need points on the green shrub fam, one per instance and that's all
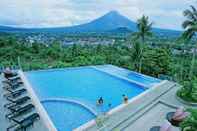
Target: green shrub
(189, 91)
(190, 124)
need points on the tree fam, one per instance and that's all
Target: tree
(190, 26)
(189, 91)
(156, 61)
(144, 31)
(144, 28)
(136, 55)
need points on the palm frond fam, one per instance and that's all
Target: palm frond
(187, 23)
(144, 28)
(190, 15)
(188, 34)
(194, 10)
(190, 24)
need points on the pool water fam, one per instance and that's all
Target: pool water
(84, 85)
(134, 76)
(67, 111)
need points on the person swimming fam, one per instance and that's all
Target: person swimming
(125, 99)
(100, 101)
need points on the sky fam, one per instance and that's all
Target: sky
(55, 13)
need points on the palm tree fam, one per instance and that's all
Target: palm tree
(190, 26)
(144, 28)
(136, 55)
(144, 31)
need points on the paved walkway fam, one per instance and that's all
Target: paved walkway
(4, 123)
(154, 114)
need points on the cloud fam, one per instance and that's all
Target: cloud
(46, 13)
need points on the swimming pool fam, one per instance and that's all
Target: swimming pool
(69, 95)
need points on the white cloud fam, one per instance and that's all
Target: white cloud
(45, 13)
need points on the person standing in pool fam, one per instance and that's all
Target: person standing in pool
(125, 99)
(100, 101)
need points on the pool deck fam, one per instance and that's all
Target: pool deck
(4, 123)
(154, 114)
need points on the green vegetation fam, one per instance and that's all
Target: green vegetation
(38, 56)
(144, 31)
(191, 28)
(156, 61)
(189, 90)
(190, 124)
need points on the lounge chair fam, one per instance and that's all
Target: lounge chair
(12, 91)
(20, 111)
(13, 106)
(7, 87)
(15, 94)
(12, 86)
(15, 83)
(12, 79)
(165, 127)
(31, 117)
(175, 118)
(8, 73)
(19, 101)
(11, 83)
(24, 108)
(23, 126)
(25, 123)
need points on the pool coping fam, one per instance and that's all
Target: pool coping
(42, 112)
(59, 69)
(120, 107)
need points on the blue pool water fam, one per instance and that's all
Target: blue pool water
(67, 111)
(134, 76)
(84, 85)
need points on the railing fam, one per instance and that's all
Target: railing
(12, 67)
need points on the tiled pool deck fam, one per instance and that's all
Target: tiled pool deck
(143, 113)
(4, 123)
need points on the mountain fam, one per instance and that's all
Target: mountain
(121, 30)
(109, 21)
(112, 21)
